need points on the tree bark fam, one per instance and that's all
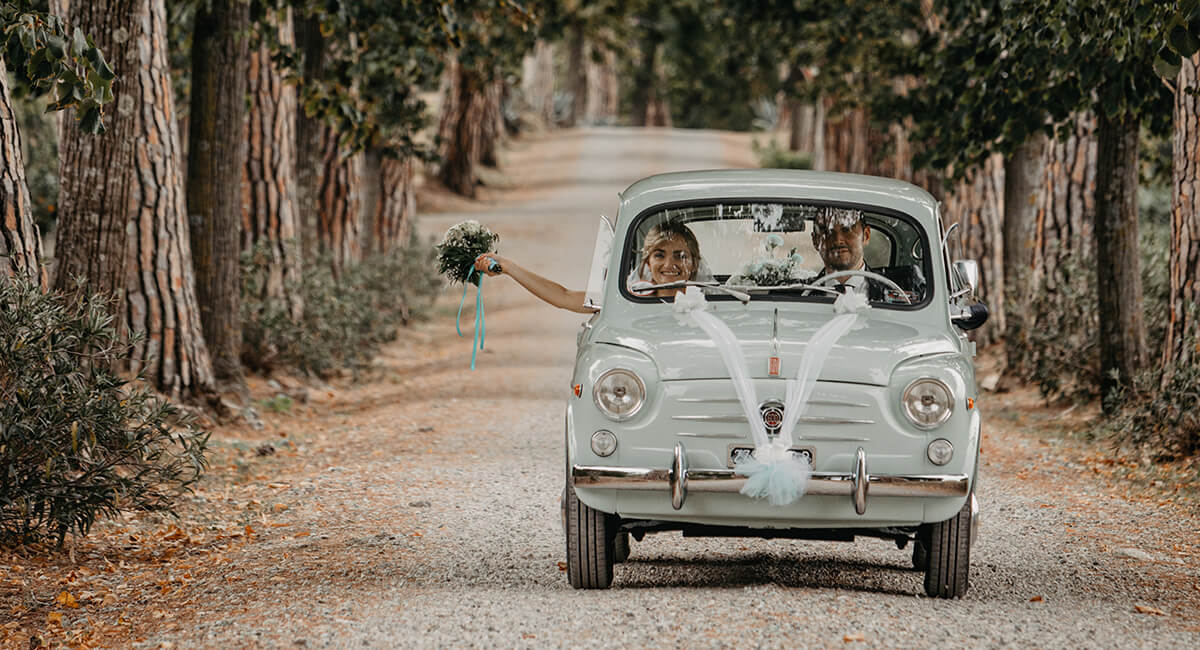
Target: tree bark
(397, 205)
(1183, 331)
(1118, 265)
(603, 95)
(310, 146)
(339, 226)
(20, 242)
(1022, 176)
(216, 162)
(122, 221)
(976, 204)
(460, 127)
(269, 188)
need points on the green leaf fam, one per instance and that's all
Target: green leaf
(78, 43)
(1183, 41)
(57, 46)
(90, 122)
(1166, 69)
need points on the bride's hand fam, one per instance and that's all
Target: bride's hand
(485, 261)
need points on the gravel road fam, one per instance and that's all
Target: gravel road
(448, 492)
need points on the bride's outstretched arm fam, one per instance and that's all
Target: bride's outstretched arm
(544, 288)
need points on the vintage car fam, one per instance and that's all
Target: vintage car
(891, 431)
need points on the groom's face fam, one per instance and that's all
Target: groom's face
(840, 244)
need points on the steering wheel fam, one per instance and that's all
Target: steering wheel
(864, 274)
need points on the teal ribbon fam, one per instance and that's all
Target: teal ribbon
(480, 325)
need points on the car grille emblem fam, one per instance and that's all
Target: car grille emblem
(772, 416)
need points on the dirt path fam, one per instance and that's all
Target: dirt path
(419, 507)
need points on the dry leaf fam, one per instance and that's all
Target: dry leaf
(1035, 599)
(856, 636)
(249, 530)
(54, 618)
(280, 507)
(67, 600)
(562, 566)
(1146, 609)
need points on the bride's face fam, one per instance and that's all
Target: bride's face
(671, 261)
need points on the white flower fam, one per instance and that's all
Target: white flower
(690, 299)
(850, 302)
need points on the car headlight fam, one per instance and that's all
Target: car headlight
(619, 394)
(927, 403)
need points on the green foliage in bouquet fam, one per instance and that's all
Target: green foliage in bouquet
(459, 248)
(77, 440)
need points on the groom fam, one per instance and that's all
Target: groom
(840, 235)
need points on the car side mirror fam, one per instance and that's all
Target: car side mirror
(971, 317)
(968, 272)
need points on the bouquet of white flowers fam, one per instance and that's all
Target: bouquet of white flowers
(771, 271)
(460, 246)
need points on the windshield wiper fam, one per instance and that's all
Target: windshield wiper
(679, 284)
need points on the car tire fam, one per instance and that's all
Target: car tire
(949, 555)
(621, 547)
(920, 555)
(590, 536)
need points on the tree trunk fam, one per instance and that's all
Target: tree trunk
(1182, 336)
(537, 81)
(976, 204)
(122, 221)
(310, 146)
(20, 242)
(269, 188)
(644, 81)
(460, 127)
(577, 82)
(339, 226)
(1118, 266)
(397, 206)
(216, 162)
(848, 142)
(804, 122)
(492, 125)
(603, 95)
(1060, 272)
(1022, 176)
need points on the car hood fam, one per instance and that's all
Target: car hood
(866, 354)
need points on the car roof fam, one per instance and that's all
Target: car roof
(785, 184)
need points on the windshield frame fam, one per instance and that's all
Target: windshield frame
(926, 263)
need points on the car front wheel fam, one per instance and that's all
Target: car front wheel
(590, 537)
(947, 546)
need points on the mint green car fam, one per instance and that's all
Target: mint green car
(891, 431)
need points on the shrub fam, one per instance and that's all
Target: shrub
(775, 157)
(1156, 415)
(346, 318)
(77, 440)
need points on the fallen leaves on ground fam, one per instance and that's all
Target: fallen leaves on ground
(1146, 609)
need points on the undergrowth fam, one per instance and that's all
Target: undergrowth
(344, 319)
(79, 441)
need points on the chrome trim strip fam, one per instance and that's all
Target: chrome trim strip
(730, 419)
(725, 480)
(688, 434)
(829, 439)
(974, 518)
(818, 402)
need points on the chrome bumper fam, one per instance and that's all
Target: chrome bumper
(858, 484)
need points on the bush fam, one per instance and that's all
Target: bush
(345, 319)
(1157, 416)
(78, 441)
(1052, 342)
(773, 156)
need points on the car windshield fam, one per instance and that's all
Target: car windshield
(786, 251)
